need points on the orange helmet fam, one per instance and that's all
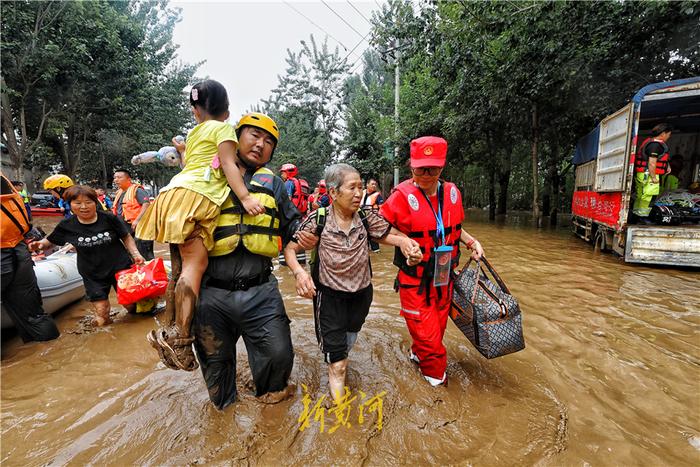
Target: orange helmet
(291, 169)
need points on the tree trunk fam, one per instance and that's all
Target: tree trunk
(554, 212)
(554, 178)
(535, 177)
(492, 193)
(546, 194)
(503, 182)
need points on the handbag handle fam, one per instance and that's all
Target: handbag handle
(490, 268)
(493, 272)
(495, 275)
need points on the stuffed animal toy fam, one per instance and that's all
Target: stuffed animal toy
(166, 155)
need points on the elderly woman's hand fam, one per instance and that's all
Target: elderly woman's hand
(306, 240)
(305, 285)
(409, 247)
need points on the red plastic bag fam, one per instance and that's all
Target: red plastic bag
(141, 282)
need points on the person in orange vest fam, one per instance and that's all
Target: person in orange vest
(430, 211)
(20, 292)
(371, 200)
(372, 197)
(130, 202)
(650, 163)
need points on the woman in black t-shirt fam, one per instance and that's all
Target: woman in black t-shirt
(103, 243)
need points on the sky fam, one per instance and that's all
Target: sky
(245, 44)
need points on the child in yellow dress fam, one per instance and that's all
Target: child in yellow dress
(185, 214)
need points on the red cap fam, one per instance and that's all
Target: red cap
(428, 151)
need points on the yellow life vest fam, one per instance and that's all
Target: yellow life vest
(260, 234)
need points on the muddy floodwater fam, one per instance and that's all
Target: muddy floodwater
(610, 376)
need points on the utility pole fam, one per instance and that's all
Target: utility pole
(396, 113)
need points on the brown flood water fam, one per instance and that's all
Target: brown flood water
(610, 376)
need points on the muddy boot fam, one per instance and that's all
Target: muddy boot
(177, 349)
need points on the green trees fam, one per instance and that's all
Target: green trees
(85, 85)
(307, 105)
(515, 84)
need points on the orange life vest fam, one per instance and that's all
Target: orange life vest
(14, 222)
(641, 161)
(370, 200)
(424, 225)
(130, 205)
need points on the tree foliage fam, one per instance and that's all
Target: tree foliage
(517, 83)
(77, 73)
(307, 105)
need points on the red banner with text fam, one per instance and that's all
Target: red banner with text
(601, 207)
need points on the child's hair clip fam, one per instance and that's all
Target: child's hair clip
(195, 94)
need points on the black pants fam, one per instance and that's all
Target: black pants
(336, 315)
(145, 247)
(21, 296)
(258, 315)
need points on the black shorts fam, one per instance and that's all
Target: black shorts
(98, 289)
(338, 317)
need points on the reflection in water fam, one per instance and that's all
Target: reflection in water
(609, 376)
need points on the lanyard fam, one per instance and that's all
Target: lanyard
(440, 226)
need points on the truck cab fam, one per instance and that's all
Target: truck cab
(604, 189)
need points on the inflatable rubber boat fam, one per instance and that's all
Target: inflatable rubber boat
(59, 282)
(40, 211)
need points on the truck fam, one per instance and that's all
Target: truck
(603, 195)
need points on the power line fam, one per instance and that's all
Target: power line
(342, 19)
(356, 45)
(359, 12)
(358, 64)
(310, 21)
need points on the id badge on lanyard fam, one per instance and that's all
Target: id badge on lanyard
(443, 262)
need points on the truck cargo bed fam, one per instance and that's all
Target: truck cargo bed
(655, 244)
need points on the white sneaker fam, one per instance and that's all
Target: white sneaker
(413, 357)
(436, 382)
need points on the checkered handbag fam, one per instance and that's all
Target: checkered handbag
(486, 312)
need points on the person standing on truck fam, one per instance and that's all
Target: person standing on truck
(669, 181)
(651, 162)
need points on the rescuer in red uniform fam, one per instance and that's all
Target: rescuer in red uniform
(428, 210)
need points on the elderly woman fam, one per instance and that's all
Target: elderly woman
(340, 282)
(103, 243)
(429, 210)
